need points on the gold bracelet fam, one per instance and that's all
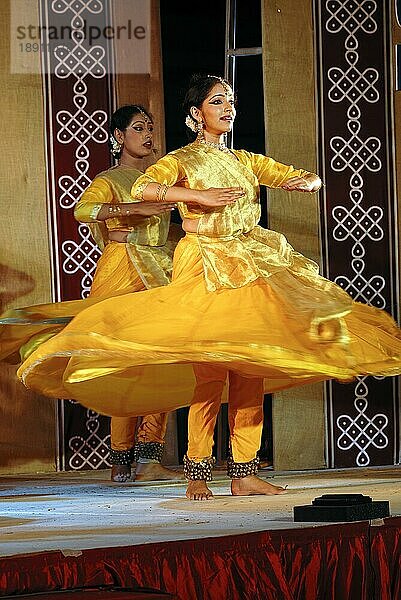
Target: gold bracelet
(159, 187)
(163, 193)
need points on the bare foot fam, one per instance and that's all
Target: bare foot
(120, 473)
(156, 472)
(251, 485)
(198, 490)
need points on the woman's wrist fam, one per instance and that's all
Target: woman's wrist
(172, 194)
(112, 211)
(195, 196)
(119, 210)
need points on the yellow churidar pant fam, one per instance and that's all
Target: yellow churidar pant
(245, 413)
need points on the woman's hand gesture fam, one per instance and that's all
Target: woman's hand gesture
(309, 183)
(215, 197)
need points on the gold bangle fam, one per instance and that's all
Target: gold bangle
(163, 193)
(159, 187)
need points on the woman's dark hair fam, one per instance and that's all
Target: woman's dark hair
(122, 117)
(199, 89)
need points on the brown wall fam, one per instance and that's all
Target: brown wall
(290, 117)
(27, 422)
(146, 89)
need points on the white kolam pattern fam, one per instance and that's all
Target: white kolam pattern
(77, 61)
(91, 451)
(355, 154)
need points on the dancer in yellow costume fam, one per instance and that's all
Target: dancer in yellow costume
(242, 301)
(136, 256)
(137, 245)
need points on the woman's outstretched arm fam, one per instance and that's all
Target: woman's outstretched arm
(274, 174)
(164, 182)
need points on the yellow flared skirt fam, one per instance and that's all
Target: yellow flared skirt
(23, 330)
(133, 354)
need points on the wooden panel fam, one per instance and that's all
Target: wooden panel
(24, 255)
(290, 118)
(144, 88)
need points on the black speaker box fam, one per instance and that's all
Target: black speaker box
(342, 507)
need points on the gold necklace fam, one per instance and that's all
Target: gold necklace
(218, 146)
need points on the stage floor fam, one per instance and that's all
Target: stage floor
(77, 511)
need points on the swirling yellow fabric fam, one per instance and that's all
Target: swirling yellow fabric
(240, 298)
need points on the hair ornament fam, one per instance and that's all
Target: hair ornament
(223, 82)
(146, 118)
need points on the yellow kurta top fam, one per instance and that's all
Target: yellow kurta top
(231, 231)
(235, 249)
(150, 247)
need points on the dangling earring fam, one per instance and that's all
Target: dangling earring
(115, 146)
(199, 129)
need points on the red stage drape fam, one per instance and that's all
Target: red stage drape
(386, 559)
(353, 561)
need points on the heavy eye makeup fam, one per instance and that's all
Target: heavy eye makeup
(217, 101)
(140, 126)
